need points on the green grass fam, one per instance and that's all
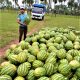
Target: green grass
(62, 21)
(9, 26)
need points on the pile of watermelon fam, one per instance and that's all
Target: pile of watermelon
(49, 54)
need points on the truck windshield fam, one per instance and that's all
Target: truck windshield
(37, 10)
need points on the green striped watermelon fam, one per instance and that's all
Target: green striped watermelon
(9, 70)
(58, 76)
(44, 78)
(5, 63)
(31, 58)
(61, 53)
(40, 71)
(64, 68)
(42, 55)
(74, 64)
(22, 57)
(78, 72)
(19, 78)
(37, 63)
(51, 59)
(23, 69)
(13, 58)
(30, 75)
(5, 77)
(49, 68)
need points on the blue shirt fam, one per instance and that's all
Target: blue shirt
(22, 17)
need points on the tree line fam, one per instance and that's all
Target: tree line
(71, 8)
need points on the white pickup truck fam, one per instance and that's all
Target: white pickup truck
(38, 11)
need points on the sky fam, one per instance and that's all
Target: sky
(19, 2)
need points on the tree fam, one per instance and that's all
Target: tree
(75, 7)
(60, 1)
(29, 2)
(2, 4)
(71, 4)
(55, 1)
(16, 3)
(64, 1)
(8, 3)
(1, 1)
(45, 1)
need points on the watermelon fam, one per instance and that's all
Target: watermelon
(47, 36)
(35, 44)
(28, 39)
(17, 50)
(28, 65)
(77, 58)
(37, 63)
(9, 69)
(64, 68)
(22, 69)
(31, 58)
(5, 77)
(40, 71)
(13, 58)
(51, 60)
(19, 78)
(76, 45)
(61, 53)
(71, 36)
(58, 76)
(43, 46)
(44, 78)
(30, 75)
(49, 44)
(58, 40)
(27, 20)
(69, 45)
(22, 44)
(22, 57)
(42, 40)
(7, 53)
(74, 64)
(49, 68)
(74, 78)
(63, 61)
(69, 57)
(34, 51)
(78, 72)
(34, 39)
(5, 63)
(42, 55)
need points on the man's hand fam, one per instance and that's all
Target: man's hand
(18, 21)
(25, 23)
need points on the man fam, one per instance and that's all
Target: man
(23, 25)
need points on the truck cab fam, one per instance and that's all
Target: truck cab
(38, 11)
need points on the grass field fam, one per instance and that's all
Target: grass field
(9, 27)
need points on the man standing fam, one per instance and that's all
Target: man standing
(23, 25)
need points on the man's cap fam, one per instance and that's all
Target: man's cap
(22, 7)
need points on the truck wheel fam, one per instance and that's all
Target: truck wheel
(43, 18)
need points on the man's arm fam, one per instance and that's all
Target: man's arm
(19, 22)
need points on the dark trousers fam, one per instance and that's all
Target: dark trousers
(22, 31)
